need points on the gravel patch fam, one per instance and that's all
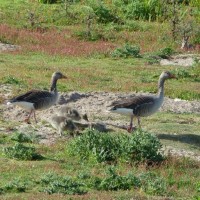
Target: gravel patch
(185, 60)
(8, 47)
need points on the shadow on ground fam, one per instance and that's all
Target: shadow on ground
(191, 139)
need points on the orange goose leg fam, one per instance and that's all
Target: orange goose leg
(130, 127)
(27, 120)
(34, 116)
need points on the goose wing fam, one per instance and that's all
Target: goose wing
(139, 105)
(40, 99)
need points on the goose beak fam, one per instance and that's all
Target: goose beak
(64, 77)
(173, 76)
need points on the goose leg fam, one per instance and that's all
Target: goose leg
(60, 131)
(139, 124)
(34, 116)
(27, 120)
(130, 127)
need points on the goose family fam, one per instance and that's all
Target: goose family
(142, 105)
(66, 119)
(38, 99)
(63, 123)
(72, 113)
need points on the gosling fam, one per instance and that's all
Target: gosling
(71, 113)
(61, 123)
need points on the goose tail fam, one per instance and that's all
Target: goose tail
(9, 103)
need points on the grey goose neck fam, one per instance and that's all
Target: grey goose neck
(161, 82)
(53, 87)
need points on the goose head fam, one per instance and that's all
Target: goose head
(55, 77)
(58, 75)
(167, 75)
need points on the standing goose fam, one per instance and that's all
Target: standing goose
(142, 105)
(38, 99)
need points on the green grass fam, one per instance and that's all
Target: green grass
(59, 174)
(172, 178)
(123, 75)
(179, 131)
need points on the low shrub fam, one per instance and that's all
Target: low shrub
(144, 147)
(16, 185)
(3, 138)
(198, 186)
(53, 183)
(22, 137)
(113, 181)
(21, 152)
(155, 57)
(165, 52)
(153, 184)
(105, 147)
(126, 51)
(103, 13)
(149, 182)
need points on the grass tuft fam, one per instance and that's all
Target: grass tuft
(53, 183)
(21, 152)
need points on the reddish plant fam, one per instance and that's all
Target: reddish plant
(52, 42)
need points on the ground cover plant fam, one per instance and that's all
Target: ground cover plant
(61, 173)
(21, 152)
(101, 46)
(139, 147)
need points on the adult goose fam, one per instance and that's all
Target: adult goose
(142, 105)
(38, 99)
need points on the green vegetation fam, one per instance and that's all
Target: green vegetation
(124, 75)
(139, 147)
(53, 183)
(126, 51)
(112, 46)
(21, 137)
(21, 152)
(62, 173)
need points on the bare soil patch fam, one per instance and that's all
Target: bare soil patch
(185, 60)
(95, 104)
(8, 47)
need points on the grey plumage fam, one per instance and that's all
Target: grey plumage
(101, 127)
(61, 123)
(143, 105)
(72, 113)
(38, 99)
